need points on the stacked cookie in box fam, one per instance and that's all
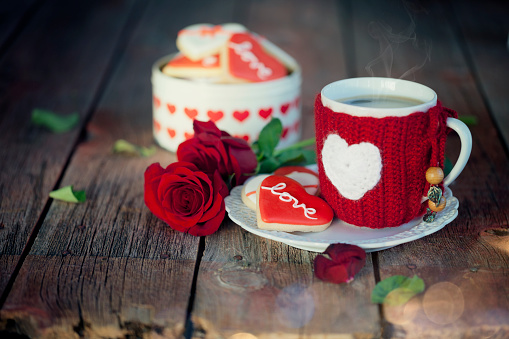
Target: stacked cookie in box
(224, 54)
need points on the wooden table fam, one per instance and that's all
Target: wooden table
(108, 268)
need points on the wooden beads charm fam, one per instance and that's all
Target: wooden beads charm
(437, 207)
(434, 175)
(434, 194)
(436, 202)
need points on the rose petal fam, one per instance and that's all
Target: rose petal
(339, 252)
(219, 185)
(344, 263)
(206, 127)
(242, 158)
(211, 225)
(152, 178)
(330, 271)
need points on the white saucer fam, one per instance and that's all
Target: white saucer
(370, 240)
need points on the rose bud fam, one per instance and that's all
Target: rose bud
(212, 149)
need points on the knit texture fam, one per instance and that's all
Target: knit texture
(408, 146)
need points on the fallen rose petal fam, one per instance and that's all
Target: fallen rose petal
(344, 263)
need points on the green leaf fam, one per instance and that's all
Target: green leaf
(269, 137)
(447, 166)
(68, 194)
(469, 120)
(397, 290)
(293, 155)
(125, 147)
(269, 165)
(54, 122)
(309, 156)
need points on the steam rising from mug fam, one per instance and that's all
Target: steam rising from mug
(390, 41)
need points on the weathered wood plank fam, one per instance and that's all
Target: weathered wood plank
(248, 284)
(125, 273)
(12, 14)
(487, 44)
(57, 69)
(466, 270)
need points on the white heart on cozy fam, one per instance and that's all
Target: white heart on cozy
(352, 169)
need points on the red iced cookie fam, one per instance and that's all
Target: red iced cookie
(284, 205)
(248, 60)
(183, 67)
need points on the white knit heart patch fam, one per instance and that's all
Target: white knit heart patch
(354, 169)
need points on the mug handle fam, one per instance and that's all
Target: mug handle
(466, 147)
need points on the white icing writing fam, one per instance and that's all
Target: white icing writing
(244, 51)
(287, 197)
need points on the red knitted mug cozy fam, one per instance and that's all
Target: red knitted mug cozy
(407, 145)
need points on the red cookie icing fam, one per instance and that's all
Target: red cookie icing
(284, 201)
(248, 60)
(181, 61)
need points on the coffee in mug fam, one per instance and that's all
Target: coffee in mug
(386, 101)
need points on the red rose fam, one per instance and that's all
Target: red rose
(185, 198)
(212, 149)
(344, 263)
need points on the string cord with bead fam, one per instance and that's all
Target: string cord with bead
(434, 175)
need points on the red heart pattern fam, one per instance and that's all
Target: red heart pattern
(157, 126)
(245, 137)
(265, 113)
(171, 108)
(191, 113)
(285, 132)
(282, 200)
(241, 115)
(215, 116)
(157, 101)
(284, 108)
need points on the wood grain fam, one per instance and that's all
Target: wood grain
(312, 34)
(108, 265)
(486, 33)
(460, 267)
(13, 17)
(248, 284)
(56, 69)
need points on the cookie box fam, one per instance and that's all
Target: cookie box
(241, 109)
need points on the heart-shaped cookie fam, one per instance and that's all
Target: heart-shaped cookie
(247, 60)
(284, 205)
(201, 40)
(183, 67)
(352, 169)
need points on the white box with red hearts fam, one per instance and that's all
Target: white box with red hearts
(241, 109)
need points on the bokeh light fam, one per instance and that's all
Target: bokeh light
(443, 303)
